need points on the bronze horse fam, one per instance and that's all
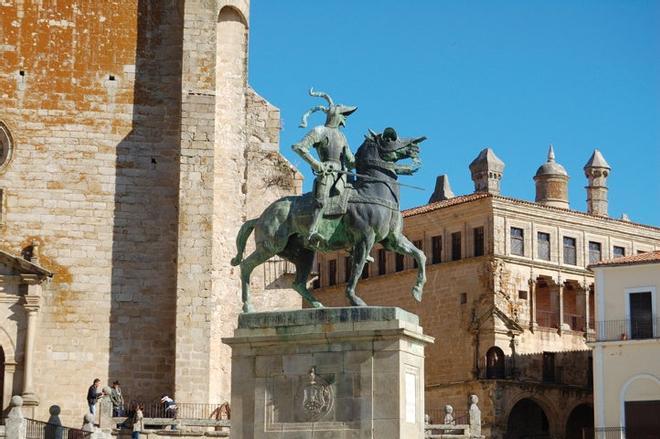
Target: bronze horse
(372, 216)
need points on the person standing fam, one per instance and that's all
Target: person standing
(93, 394)
(138, 421)
(117, 399)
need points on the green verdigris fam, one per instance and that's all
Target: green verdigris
(338, 215)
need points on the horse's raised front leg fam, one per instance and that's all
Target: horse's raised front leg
(400, 244)
(304, 262)
(360, 254)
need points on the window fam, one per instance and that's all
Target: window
(522, 295)
(642, 419)
(382, 262)
(332, 272)
(594, 252)
(463, 299)
(419, 244)
(456, 246)
(478, 241)
(347, 268)
(398, 262)
(495, 363)
(6, 145)
(543, 240)
(436, 249)
(641, 315)
(549, 367)
(317, 280)
(618, 252)
(570, 256)
(517, 241)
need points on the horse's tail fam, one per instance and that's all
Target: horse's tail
(241, 240)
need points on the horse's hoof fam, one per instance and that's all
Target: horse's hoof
(316, 304)
(247, 308)
(417, 293)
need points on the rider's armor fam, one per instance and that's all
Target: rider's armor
(334, 155)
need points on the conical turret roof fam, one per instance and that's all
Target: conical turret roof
(551, 167)
(597, 161)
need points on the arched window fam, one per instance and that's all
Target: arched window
(6, 145)
(494, 363)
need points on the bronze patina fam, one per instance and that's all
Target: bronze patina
(347, 210)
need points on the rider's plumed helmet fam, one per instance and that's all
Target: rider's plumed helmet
(335, 113)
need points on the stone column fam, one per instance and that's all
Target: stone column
(32, 303)
(10, 369)
(587, 310)
(562, 325)
(532, 305)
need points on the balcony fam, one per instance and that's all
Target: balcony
(636, 329)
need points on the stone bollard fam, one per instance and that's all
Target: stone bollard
(475, 417)
(15, 423)
(104, 407)
(88, 423)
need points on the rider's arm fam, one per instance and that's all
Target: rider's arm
(302, 148)
(349, 158)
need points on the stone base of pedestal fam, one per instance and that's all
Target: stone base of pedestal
(328, 373)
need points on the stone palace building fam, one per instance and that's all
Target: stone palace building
(509, 298)
(132, 149)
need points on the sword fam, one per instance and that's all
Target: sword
(377, 180)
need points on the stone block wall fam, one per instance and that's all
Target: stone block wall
(90, 92)
(134, 137)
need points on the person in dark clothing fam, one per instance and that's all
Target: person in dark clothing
(93, 394)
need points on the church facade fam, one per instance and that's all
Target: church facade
(133, 148)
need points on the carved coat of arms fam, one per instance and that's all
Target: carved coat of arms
(317, 397)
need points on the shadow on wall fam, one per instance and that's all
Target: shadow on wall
(143, 290)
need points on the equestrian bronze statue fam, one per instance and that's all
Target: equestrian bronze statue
(347, 210)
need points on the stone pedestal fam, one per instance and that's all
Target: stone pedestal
(344, 373)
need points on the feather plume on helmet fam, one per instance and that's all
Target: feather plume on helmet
(335, 113)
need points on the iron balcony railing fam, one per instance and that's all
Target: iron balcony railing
(629, 329)
(183, 410)
(43, 430)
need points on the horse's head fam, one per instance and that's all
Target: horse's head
(392, 148)
(389, 147)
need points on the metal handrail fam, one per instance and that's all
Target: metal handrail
(628, 329)
(43, 430)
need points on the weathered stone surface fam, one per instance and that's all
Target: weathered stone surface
(335, 372)
(137, 150)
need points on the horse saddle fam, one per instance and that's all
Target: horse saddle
(338, 204)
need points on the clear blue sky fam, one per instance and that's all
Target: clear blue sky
(512, 75)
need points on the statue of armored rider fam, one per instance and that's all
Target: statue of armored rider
(334, 155)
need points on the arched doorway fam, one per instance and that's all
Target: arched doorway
(527, 420)
(581, 418)
(494, 363)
